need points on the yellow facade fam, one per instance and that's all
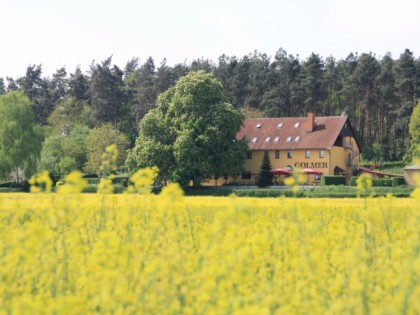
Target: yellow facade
(322, 160)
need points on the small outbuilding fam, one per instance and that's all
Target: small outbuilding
(412, 174)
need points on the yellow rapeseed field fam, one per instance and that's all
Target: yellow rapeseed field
(71, 253)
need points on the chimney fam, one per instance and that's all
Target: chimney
(310, 122)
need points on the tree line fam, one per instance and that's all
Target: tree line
(377, 93)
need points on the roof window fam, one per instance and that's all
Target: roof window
(258, 126)
(280, 125)
(276, 139)
(297, 125)
(297, 139)
(254, 139)
(289, 139)
(267, 139)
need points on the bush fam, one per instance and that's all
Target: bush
(119, 189)
(93, 181)
(10, 190)
(398, 181)
(121, 180)
(382, 182)
(203, 191)
(353, 181)
(333, 180)
(90, 189)
(271, 193)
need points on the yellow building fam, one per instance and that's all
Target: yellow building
(325, 144)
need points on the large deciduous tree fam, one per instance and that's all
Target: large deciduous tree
(191, 134)
(20, 139)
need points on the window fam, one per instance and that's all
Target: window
(321, 154)
(297, 139)
(246, 175)
(280, 125)
(297, 125)
(249, 155)
(276, 154)
(267, 139)
(254, 139)
(276, 139)
(289, 154)
(289, 139)
(258, 126)
(308, 154)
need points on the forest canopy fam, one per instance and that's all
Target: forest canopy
(377, 93)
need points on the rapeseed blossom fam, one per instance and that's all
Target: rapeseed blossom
(72, 253)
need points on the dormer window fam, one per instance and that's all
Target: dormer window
(267, 139)
(276, 139)
(289, 139)
(280, 125)
(297, 125)
(254, 139)
(258, 126)
(297, 139)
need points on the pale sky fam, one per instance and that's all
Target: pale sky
(58, 33)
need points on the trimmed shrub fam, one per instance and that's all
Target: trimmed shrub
(10, 190)
(119, 189)
(90, 189)
(121, 180)
(381, 182)
(333, 180)
(353, 181)
(201, 191)
(93, 181)
(398, 181)
(271, 193)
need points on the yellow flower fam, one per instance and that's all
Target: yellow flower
(73, 183)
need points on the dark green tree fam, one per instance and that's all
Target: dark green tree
(37, 89)
(312, 73)
(78, 86)
(191, 134)
(265, 175)
(387, 97)
(107, 93)
(414, 129)
(145, 93)
(2, 87)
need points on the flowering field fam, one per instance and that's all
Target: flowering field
(168, 254)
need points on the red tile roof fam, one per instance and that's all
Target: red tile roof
(323, 136)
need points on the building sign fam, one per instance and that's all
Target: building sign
(311, 164)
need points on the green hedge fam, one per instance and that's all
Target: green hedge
(382, 182)
(398, 181)
(268, 193)
(23, 186)
(92, 189)
(10, 190)
(333, 180)
(93, 181)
